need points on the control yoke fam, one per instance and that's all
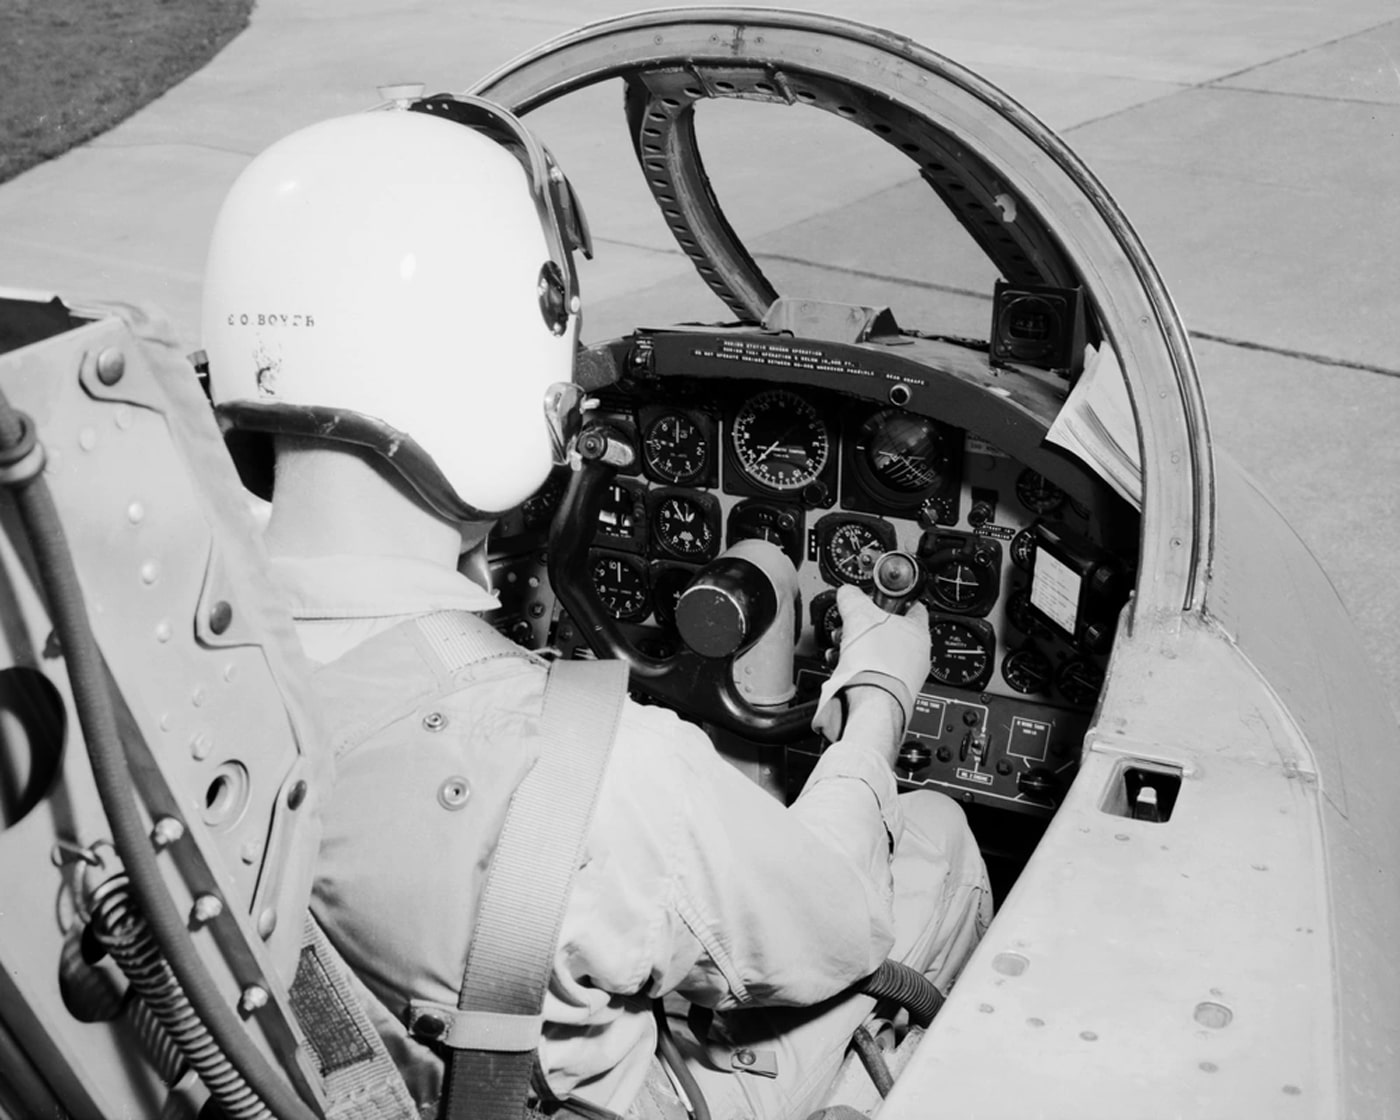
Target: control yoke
(723, 614)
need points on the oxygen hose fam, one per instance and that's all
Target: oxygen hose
(907, 987)
(21, 468)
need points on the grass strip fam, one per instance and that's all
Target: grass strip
(71, 69)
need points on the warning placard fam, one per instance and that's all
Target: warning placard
(1055, 590)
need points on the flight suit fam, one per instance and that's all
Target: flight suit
(693, 881)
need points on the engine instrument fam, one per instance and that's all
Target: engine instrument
(1027, 670)
(1020, 615)
(961, 651)
(1079, 681)
(1037, 493)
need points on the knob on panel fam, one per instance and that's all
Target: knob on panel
(914, 755)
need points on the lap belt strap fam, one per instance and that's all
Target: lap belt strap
(494, 1033)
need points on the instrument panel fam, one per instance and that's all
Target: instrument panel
(835, 481)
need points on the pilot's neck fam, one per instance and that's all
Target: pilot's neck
(335, 500)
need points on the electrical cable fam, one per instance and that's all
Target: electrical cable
(873, 1059)
(674, 1061)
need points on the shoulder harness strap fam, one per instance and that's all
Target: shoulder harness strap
(494, 1032)
(459, 639)
(359, 1078)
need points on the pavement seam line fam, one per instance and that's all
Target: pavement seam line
(1304, 50)
(1205, 336)
(1214, 83)
(1297, 355)
(1302, 96)
(865, 274)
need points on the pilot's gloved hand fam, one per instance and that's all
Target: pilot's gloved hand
(888, 651)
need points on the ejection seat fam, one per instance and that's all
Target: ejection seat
(163, 764)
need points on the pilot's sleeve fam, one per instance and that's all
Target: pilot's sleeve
(759, 904)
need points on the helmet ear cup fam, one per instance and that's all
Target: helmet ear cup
(554, 301)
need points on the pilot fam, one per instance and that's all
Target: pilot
(389, 297)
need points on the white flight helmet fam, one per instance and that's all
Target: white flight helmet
(402, 280)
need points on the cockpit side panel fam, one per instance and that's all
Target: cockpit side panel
(1312, 657)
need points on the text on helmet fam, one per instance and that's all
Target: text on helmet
(271, 320)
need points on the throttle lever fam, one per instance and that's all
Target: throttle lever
(898, 579)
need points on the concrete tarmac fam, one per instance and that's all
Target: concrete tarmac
(1251, 142)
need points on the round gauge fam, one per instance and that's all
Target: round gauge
(957, 584)
(826, 620)
(903, 451)
(1023, 550)
(1027, 670)
(1079, 681)
(674, 449)
(621, 583)
(1020, 615)
(959, 653)
(1037, 493)
(784, 526)
(851, 550)
(780, 441)
(667, 583)
(683, 528)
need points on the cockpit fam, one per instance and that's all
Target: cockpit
(1020, 445)
(837, 428)
(839, 448)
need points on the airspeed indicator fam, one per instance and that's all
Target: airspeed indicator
(780, 441)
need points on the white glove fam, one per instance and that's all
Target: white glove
(889, 651)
